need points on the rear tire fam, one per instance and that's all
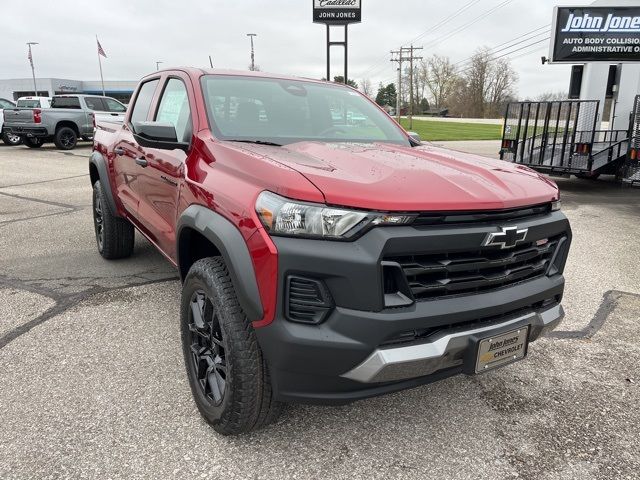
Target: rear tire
(11, 138)
(32, 142)
(65, 138)
(227, 374)
(114, 235)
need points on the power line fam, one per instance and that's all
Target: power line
(508, 44)
(493, 59)
(430, 30)
(465, 26)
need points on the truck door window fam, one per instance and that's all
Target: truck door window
(95, 103)
(174, 109)
(143, 101)
(114, 106)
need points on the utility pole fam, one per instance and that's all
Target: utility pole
(33, 71)
(253, 58)
(411, 59)
(396, 56)
(405, 54)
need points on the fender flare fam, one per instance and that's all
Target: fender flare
(97, 160)
(232, 246)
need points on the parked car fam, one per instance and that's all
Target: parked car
(69, 118)
(7, 137)
(33, 102)
(323, 262)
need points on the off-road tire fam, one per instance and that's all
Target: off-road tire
(12, 140)
(32, 142)
(247, 403)
(114, 235)
(65, 138)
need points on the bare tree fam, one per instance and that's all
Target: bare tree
(440, 78)
(365, 87)
(489, 84)
(552, 96)
(502, 80)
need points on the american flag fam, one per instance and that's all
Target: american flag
(100, 49)
(30, 57)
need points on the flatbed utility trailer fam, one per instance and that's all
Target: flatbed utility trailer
(562, 138)
(632, 166)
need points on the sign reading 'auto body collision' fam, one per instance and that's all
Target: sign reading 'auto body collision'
(337, 12)
(596, 34)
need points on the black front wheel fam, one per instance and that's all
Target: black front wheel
(33, 142)
(227, 374)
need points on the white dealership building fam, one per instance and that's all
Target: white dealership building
(14, 88)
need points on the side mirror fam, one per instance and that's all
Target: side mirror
(415, 137)
(160, 135)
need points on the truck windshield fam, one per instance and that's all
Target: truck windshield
(277, 111)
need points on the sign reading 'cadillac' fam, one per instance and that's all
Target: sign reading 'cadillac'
(337, 12)
(596, 34)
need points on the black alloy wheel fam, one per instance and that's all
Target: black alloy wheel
(208, 362)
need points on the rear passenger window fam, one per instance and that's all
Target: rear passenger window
(143, 101)
(65, 102)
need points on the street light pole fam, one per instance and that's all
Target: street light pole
(33, 71)
(253, 62)
(158, 65)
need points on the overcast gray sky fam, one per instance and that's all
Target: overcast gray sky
(137, 33)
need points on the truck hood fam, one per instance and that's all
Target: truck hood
(390, 177)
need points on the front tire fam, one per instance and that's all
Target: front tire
(33, 142)
(226, 371)
(11, 139)
(114, 235)
(65, 138)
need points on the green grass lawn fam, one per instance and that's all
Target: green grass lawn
(441, 131)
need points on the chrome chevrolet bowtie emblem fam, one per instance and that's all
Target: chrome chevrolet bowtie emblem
(508, 237)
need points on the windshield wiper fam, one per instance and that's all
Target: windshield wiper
(258, 142)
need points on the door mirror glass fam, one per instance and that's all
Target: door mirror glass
(157, 135)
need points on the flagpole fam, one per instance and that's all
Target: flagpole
(101, 77)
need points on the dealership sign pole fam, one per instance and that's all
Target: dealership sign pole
(337, 12)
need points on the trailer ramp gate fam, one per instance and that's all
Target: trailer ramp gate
(561, 137)
(632, 166)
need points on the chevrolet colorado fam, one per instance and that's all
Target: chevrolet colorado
(323, 260)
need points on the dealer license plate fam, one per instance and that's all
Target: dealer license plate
(502, 349)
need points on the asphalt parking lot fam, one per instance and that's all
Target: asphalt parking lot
(92, 382)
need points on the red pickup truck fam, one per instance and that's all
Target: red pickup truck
(323, 260)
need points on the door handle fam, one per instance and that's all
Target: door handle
(142, 162)
(118, 151)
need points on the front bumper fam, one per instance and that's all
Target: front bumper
(447, 350)
(349, 355)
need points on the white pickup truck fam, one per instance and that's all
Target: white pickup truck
(8, 138)
(70, 117)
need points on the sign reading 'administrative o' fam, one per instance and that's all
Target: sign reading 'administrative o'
(337, 12)
(596, 34)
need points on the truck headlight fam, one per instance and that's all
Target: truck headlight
(281, 216)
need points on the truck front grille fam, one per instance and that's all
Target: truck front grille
(445, 274)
